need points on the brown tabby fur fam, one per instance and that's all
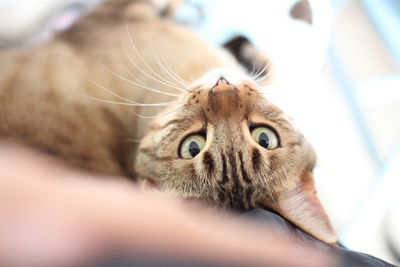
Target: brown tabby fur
(46, 100)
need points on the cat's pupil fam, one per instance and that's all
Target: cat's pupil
(263, 140)
(194, 149)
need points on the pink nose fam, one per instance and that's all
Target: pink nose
(222, 86)
(223, 99)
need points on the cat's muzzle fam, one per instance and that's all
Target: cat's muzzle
(223, 98)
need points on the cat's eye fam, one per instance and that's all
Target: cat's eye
(265, 137)
(192, 146)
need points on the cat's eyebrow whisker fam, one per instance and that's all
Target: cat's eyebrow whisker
(137, 84)
(162, 81)
(165, 104)
(253, 69)
(157, 116)
(165, 70)
(261, 71)
(262, 79)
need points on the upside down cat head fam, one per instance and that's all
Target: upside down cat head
(229, 145)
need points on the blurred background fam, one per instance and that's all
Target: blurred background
(335, 70)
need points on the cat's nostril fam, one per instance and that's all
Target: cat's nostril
(222, 85)
(221, 80)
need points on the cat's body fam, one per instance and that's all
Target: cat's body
(44, 90)
(245, 153)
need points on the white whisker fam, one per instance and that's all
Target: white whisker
(163, 80)
(261, 72)
(186, 83)
(262, 79)
(253, 69)
(161, 65)
(164, 69)
(156, 116)
(137, 84)
(165, 104)
(169, 70)
(133, 76)
(267, 68)
(111, 92)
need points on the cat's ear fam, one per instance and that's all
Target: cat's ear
(303, 208)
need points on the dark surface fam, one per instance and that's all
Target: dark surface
(347, 257)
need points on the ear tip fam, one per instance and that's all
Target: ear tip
(330, 238)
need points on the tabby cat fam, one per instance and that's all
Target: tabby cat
(122, 74)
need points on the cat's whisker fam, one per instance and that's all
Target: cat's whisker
(186, 83)
(165, 104)
(111, 92)
(165, 70)
(157, 116)
(169, 69)
(133, 45)
(261, 72)
(133, 76)
(142, 71)
(253, 69)
(138, 84)
(145, 73)
(162, 81)
(262, 79)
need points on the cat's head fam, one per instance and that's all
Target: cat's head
(229, 145)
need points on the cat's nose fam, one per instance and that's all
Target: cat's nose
(223, 98)
(222, 86)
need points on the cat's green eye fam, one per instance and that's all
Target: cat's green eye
(192, 146)
(265, 137)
